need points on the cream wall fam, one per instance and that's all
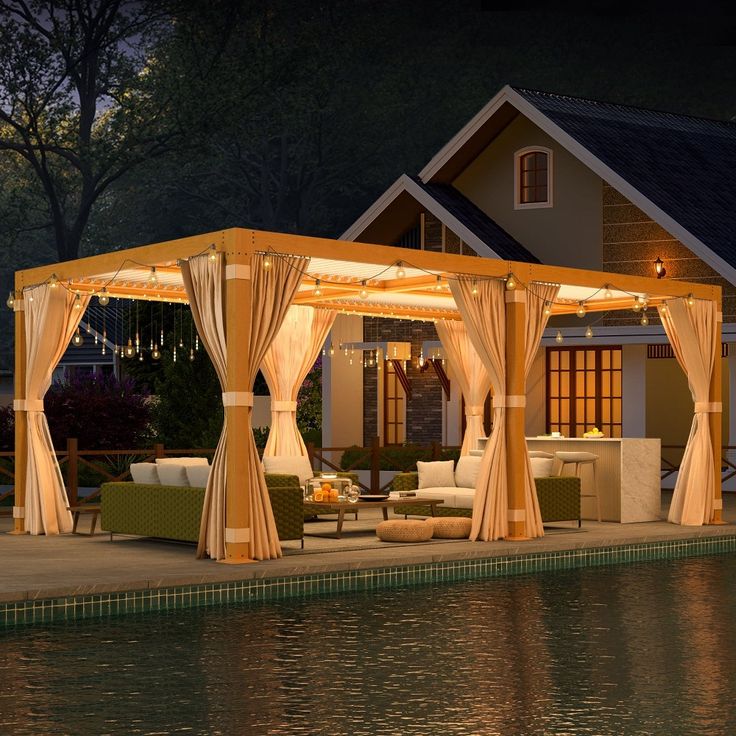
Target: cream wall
(342, 388)
(568, 234)
(536, 394)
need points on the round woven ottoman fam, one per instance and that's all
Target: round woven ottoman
(450, 527)
(404, 530)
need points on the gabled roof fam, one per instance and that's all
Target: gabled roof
(410, 195)
(679, 170)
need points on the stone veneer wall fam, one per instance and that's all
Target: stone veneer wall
(632, 241)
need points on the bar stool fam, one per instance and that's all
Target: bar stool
(540, 453)
(579, 459)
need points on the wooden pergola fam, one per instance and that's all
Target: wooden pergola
(355, 278)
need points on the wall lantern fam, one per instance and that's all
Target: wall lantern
(659, 268)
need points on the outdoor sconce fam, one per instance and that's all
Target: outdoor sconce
(659, 268)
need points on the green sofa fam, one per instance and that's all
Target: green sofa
(175, 512)
(559, 498)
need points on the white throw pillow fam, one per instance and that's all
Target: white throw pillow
(145, 473)
(438, 473)
(182, 461)
(542, 466)
(466, 472)
(197, 475)
(173, 475)
(289, 465)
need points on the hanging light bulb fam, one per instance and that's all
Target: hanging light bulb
(644, 320)
(332, 350)
(690, 300)
(663, 309)
(474, 288)
(317, 287)
(636, 306)
(140, 356)
(78, 302)
(400, 272)
(589, 332)
(196, 342)
(580, 310)
(547, 309)
(129, 349)
(103, 298)
(191, 354)
(78, 340)
(266, 262)
(363, 291)
(558, 337)
(155, 353)
(11, 300)
(152, 277)
(607, 293)
(53, 281)
(174, 355)
(510, 282)
(213, 253)
(438, 284)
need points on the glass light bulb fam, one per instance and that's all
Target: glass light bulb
(438, 285)
(547, 309)
(11, 301)
(690, 300)
(580, 310)
(318, 288)
(589, 332)
(78, 302)
(266, 263)
(558, 337)
(363, 291)
(400, 272)
(53, 281)
(152, 277)
(77, 340)
(213, 253)
(510, 283)
(155, 353)
(644, 320)
(636, 306)
(607, 293)
(129, 350)
(103, 298)
(332, 350)
(474, 289)
(191, 354)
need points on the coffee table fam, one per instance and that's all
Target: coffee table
(343, 507)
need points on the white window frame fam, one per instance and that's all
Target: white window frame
(518, 204)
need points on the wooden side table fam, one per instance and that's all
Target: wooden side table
(87, 508)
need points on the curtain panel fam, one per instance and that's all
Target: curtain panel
(472, 377)
(693, 332)
(484, 317)
(288, 360)
(51, 318)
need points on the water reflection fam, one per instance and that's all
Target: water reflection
(645, 649)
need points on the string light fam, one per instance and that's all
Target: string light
(580, 310)
(400, 272)
(266, 262)
(213, 253)
(129, 350)
(78, 302)
(589, 332)
(547, 309)
(663, 309)
(636, 306)
(644, 320)
(103, 298)
(332, 350)
(363, 291)
(607, 293)
(153, 277)
(53, 281)
(155, 353)
(191, 355)
(438, 284)
(317, 287)
(474, 288)
(11, 300)
(77, 340)
(510, 283)
(558, 337)
(690, 300)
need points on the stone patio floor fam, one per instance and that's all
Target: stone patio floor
(49, 567)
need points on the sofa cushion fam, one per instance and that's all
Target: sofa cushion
(197, 475)
(446, 494)
(289, 465)
(144, 473)
(466, 472)
(437, 474)
(173, 475)
(464, 498)
(541, 466)
(182, 461)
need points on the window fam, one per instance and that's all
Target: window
(533, 178)
(394, 407)
(584, 390)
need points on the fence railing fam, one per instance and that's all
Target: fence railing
(94, 467)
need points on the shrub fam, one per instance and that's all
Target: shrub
(400, 457)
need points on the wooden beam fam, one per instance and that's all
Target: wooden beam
(377, 310)
(403, 378)
(442, 375)
(144, 293)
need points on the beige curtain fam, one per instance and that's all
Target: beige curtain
(204, 281)
(485, 321)
(693, 332)
(274, 290)
(537, 297)
(50, 322)
(289, 358)
(471, 375)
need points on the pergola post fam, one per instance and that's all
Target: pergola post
(515, 412)
(237, 398)
(715, 419)
(21, 417)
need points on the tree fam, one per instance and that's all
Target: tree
(75, 101)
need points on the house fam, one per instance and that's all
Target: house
(540, 177)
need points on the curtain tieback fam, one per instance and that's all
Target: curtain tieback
(234, 535)
(19, 512)
(237, 398)
(473, 411)
(708, 407)
(283, 406)
(28, 405)
(510, 401)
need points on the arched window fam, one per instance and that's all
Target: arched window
(533, 178)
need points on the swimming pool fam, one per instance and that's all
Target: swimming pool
(630, 649)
